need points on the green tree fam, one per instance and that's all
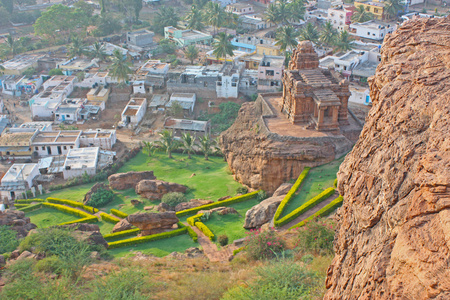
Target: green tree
(195, 19)
(4, 16)
(215, 15)
(222, 46)
(297, 10)
(175, 110)
(361, 15)
(106, 25)
(392, 8)
(328, 34)
(149, 146)
(76, 48)
(137, 6)
(14, 47)
(271, 14)
(54, 72)
(343, 41)
(167, 143)
(97, 51)
(205, 144)
(166, 16)
(309, 33)
(191, 53)
(188, 143)
(120, 67)
(8, 5)
(286, 38)
(84, 8)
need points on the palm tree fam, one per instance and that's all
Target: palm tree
(222, 46)
(392, 8)
(98, 51)
(205, 145)
(12, 45)
(343, 41)
(188, 143)
(271, 15)
(284, 11)
(166, 16)
(215, 15)
(309, 33)
(120, 67)
(76, 48)
(195, 19)
(328, 34)
(167, 142)
(150, 147)
(286, 38)
(297, 10)
(361, 15)
(191, 53)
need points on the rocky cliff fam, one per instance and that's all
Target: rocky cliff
(393, 235)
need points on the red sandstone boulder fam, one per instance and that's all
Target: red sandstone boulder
(152, 223)
(121, 226)
(191, 204)
(129, 180)
(155, 189)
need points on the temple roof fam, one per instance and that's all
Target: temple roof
(326, 97)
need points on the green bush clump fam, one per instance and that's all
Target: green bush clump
(323, 212)
(191, 220)
(206, 231)
(48, 265)
(190, 231)
(173, 199)
(23, 201)
(316, 236)
(8, 239)
(263, 244)
(242, 190)
(31, 207)
(73, 204)
(223, 240)
(148, 238)
(119, 234)
(236, 251)
(335, 183)
(101, 197)
(108, 218)
(226, 202)
(290, 194)
(262, 195)
(305, 207)
(118, 213)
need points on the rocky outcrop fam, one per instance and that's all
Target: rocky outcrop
(191, 204)
(220, 211)
(393, 234)
(18, 222)
(121, 226)
(95, 188)
(265, 210)
(152, 223)
(89, 233)
(155, 189)
(129, 180)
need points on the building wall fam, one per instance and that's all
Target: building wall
(377, 11)
(227, 88)
(42, 150)
(267, 50)
(102, 143)
(372, 33)
(78, 172)
(338, 18)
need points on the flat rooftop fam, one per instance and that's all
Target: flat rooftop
(130, 111)
(182, 124)
(373, 24)
(63, 136)
(136, 101)
(188, 96)
(81, 158)
(273, 61)
(20, 62)
(9, 138)
(159, 99)
(18, 172)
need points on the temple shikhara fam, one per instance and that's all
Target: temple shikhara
(312, 96)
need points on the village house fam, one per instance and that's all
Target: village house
(186, 37)
(21, 63)
(51, 143)
(186, 100)
(376, 7)
(42, 126)
(18, 180)
(10, 83)
(192, 126)
(372, 30)
(75, 65)
(140, 40)
(16, 143)
(134, 111)
(340, 17)
(29, 85)
(69, 110)
(152, 74)
(98, 78)
(80, 161)
(240, 9)
(102, 138)
(253, 23)
(270, 73)
(158, 102)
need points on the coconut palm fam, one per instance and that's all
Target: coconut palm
(97, 51)
(328, 34)
(77, 47)
(297, 10)
(392, 8)
(284, 11)
(191, 53)
(205, 145)
(150, 147)
(167, 143)
(222, 46)
(215, 15)
(120, 67)
(309, 33)
(271, 15)
(361, 15)
(188, 143)
(13, 46)
(195, 19)
(343, 41)
(286, 38)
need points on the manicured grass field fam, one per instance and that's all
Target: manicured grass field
(158, 248)
(211, 181)
(318, 179)
(45, 217)
(229, 225)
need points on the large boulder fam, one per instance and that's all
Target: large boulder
(191, 204)
(151, 223)
(393, 230)
(121, 226)
(129, 180)
(91, 237)
(18, 222)
(96, 187)
(265, 210)
(155, 189)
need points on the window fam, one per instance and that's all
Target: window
(36, 148)
(368, 33)
(43, 148)
(65, 147)
(68, 116)
(71, 147)
(345, 68)
(270, 72)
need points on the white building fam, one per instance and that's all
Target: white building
(42, 126)
(99, 78)
(228, 86)
(373, 29)
(134, 111)
(102, 138)
(240, 9)
(10, 83)
(224, 3)
(339, 17)
(50, 143)
(360, 95)
(69, 110)
(186, 100)
(18, 180)
(80, 161)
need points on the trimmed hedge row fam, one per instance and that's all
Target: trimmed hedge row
(324, 211)
(190, 231)
(91, 219)
(29, 200)
(335, 183)
(68, 210)
(73, 204)
(108, 218)
(206, 231)
(226, 202)
(20, 205)
(191, 220)
(305, 207)
(290, 194)
(148, 238)
(119, 234)
(31, 207)
(118, 213)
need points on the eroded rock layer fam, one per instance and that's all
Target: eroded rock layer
(393, 235)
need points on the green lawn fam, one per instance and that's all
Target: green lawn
(75, 193)
(229, 225)
(318, 179)
(158, 248)
(212, 179)
(45, 217)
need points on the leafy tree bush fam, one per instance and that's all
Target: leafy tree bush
(316, 236)
(173, 199)
(223, 240)
(261, 196)
(48, 265)
(101, 197)
(8, 239)
(242, 190)
(223, 120)
(263, 245)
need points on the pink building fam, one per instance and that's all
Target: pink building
(270, 73)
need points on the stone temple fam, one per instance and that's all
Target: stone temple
(313, 96)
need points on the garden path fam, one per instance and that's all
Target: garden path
(210, 249)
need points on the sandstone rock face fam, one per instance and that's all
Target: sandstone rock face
(18, 222)
(220, 210)
(191, 204)
(264, 211)
(393, 234)
(155, 189)
(91, 237)
(97, 186)
(129, 180)
(151, 223)
(121, 226)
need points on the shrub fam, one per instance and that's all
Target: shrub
(73, 204)
(173, 199)
(8, 239)
(23, 201)
(316, 236)
(263, 244)
(21, 205)
(305, 207)
(191, 220)
(108, 218)
(148, 238)
(118, 213)
(91, 219)
(190, 231)
(101, 197)
(223, 240)
(323, 212)
(68, 210)
(242, 190)
(48, 265)
(335, 183)
(31, 207)
(290, 194)
(261, 196)
(120, 234)
(206, 231)
(236, 251)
